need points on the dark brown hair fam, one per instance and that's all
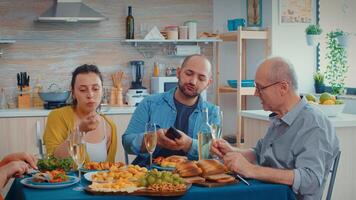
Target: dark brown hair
(83, 69)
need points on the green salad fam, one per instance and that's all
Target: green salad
(52, 163)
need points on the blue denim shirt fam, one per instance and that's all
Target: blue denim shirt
(160, 109)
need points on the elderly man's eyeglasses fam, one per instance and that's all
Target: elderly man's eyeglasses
(259, 89)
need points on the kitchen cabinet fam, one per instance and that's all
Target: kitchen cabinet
(256, 124)
(240, 38)
(2, 41)
(19, 134)
(121, 121)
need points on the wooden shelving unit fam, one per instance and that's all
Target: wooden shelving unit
(240, 37)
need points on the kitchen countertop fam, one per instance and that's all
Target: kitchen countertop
(38, 112)
(341, 120)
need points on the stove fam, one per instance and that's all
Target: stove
(54, 105)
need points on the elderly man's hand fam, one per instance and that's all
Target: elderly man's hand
(21, 156)
(236, 162)
(89, 123)
(220, 147)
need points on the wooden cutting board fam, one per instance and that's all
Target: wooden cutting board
(215, 184)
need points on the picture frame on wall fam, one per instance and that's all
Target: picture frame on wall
(295, 11)
(254, 13)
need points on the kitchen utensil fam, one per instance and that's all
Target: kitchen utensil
(59, 96)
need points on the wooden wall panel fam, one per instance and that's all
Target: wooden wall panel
(52, 50)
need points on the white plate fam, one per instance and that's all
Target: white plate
(88, 176)
(29, 183)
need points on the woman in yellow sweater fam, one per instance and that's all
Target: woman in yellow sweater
(100, 132)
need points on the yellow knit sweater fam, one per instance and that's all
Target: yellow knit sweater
(59, 124)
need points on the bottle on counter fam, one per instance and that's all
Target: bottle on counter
(130, 25)
(156, 70)
(204, 137)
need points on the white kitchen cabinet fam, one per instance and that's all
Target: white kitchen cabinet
(121, 121)
(19, 134)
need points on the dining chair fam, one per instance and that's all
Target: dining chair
(333, 171)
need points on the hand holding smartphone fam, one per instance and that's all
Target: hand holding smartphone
(172, 133)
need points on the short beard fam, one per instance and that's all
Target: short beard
(185, 93)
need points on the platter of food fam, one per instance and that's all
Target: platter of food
(134, 180)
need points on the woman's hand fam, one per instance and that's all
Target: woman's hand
(89, 123)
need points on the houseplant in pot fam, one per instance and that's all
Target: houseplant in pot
(342, 37)
(337, 66)
(319, 82)
(312, 33)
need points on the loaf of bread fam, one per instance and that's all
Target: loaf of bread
(176, 159)
(194, 179)
(188, 169)
(211, 167)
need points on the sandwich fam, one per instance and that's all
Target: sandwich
(220, 178)
(188, 169)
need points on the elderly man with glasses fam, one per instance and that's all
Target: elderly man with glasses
(300, 143)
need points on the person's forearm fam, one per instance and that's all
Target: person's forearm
(272, 175)
(62, 151)
(3, 177)
(248, 154)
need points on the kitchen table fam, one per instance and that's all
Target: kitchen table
(256, 190)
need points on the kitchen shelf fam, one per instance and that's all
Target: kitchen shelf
(240, 38)
(243, 90)
(142, 41)
(7, 41)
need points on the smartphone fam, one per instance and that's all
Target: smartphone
(172, 133)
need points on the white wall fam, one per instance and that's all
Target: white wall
(287, 41)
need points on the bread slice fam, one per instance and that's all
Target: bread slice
(194, 179)
(188, 169)
(220, 178)
(211, 167)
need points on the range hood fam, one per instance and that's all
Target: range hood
(70, 11)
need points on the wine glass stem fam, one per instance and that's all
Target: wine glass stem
(150, 160)
(80, 176)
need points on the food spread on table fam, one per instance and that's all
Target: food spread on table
(102, 165)
(54, 176)
(52, 163)
(170, 161)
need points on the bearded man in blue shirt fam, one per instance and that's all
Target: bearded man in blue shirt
(180, 107)
(300, 144)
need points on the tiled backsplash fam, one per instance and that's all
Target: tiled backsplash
(51, 51)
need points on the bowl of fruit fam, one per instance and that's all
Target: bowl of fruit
(328, 104)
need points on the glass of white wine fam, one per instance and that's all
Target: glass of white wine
(217, 129)
(150, 139)
(77, 150)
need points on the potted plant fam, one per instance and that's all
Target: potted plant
(312, 33)
(319, 82)
(337, 63)
(342, 37)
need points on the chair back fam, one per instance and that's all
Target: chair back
(333, 175)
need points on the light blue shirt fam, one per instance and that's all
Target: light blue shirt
(160, 109)
(304, 141)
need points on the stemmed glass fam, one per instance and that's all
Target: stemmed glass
(217, 129)
(150, 139)
(77, 150)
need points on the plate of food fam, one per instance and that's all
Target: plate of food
(50, 180)
(100, 166)
(168, 163)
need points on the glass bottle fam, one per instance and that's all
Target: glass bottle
(130, 25)
(204, 137)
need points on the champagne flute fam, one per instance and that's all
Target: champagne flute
(77, 149)
(217, 129)
(150, 139)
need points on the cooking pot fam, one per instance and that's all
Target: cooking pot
(54, 94)
(58, 96)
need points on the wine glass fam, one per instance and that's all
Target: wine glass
(77, 150)
(217, 129)
(150, 139)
